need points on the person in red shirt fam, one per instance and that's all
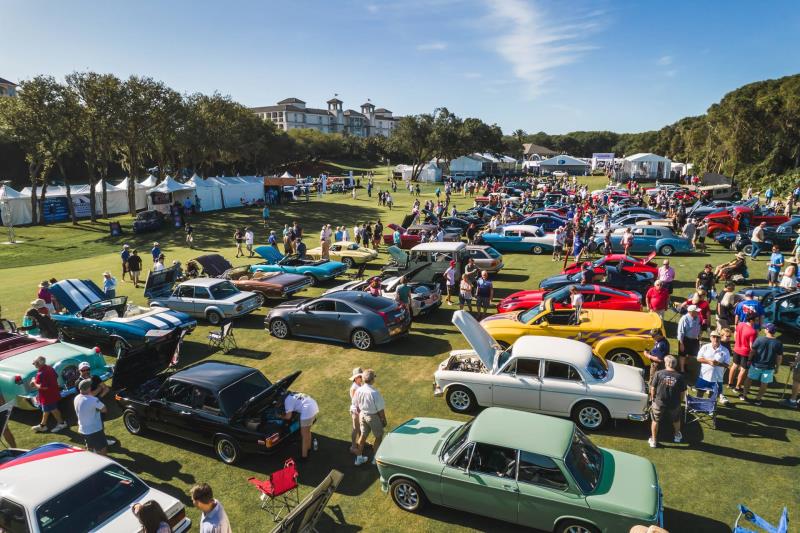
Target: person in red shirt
(46, 382)
(746, 334)
(699, 300)
(657, 298)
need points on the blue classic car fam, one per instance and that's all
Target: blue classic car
(649, 238)
(91, 319)
(548, 223)
(519, 238)
(315, 269)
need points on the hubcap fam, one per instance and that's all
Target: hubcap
(279, 329)
(460, 400)
(623, 358)
(577, 529)
(590, 416)
(226, 450)
(407, 496)
(132, 423)
(361, 340)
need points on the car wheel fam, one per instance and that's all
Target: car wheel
(62, 336)
(624, 356)
(537, 250)
(666, 250)
(748, 249)
(361, 339)
(279, 328)
(574, 526)
(214, 318)
(227, 450)
(119, 348)
(461, 400)
(590, 416)
(132, 422)
(348, 261)
(314, 281)
(407, 495)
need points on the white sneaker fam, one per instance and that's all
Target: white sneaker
(652, 443)
(361, 459)
(38, 428)
(111, 442)
(724, 399)
(678, 437)
(59, 427)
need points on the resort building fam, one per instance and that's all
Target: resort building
(7, 88)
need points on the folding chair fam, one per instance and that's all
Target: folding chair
(763, 525)
(223, 339)
(697, 407)
(280, 491)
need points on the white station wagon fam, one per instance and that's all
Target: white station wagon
(548, 375)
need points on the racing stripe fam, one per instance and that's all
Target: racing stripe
(169, 318)
(160, 324)
(80, 294)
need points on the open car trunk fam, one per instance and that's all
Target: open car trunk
(265, 399)
(137, 366)
(214, 265)
(160, 284)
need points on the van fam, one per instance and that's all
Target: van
(437, 255)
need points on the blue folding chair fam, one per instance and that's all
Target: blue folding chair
(702, 407)
(763, 525)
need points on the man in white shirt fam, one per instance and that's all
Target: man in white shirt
(372, 416)
(308, 410)
(214, 518)
(249, 239)
(325, 243)
(714, 359)
(88, 409)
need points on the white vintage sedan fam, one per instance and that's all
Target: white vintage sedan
(548, 375)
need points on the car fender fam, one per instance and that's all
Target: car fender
(638, 344)
(481, 391)
(214, 308)
(430, 483)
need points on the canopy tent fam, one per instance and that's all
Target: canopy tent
(236, 189)
(646, 167)
(208, 193)
(430, 173)
(168, 192)
(116, 197)
(15, 207)
(140, 192)
(55, 207)
(564, 163)
(468, 165)
(286, 175)
(150, 181)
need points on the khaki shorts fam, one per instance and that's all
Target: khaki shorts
(308, 422)
(371, 424)
(661, 413)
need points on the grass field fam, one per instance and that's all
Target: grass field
(752, 457)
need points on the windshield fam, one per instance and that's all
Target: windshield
(494, 254)
(597, 368)
(503, 357)
(531, 313)
(559, 295)
(233, 396)
(454, 441)
(584, 461)
(224, 290)
(92, 501)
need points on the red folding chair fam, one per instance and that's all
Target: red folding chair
(280, 491)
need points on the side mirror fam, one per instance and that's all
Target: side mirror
(545, 324)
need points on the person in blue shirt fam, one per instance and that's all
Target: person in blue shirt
(265, 215)
(775, 265)
(124, 256)
(749, 305)
(155, 252)
(657, 353)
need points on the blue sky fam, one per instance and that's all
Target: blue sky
(529, 64)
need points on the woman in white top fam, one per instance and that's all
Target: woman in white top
(356, 381)
(308, 410)
(789, 279)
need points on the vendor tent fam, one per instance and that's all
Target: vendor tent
(167, 192)
(15, 207)
(430, 173)
(564, 163)
(208, 193)
(646, 167)
(150, 181)
(116, 197)
(140, 192)
(286, 175)
(239, 189)
(467, 165)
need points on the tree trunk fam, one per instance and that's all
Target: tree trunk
(104, 177)
(70, 205)
(132, 181)
(33, 174)
(92, 196)
(42, 221)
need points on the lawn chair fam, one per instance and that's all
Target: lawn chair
(702, 407)
(280, 491)
(223, 339)
(763, 525)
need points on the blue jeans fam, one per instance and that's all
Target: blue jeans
(756, 249)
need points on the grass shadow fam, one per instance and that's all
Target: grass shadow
(675, 520)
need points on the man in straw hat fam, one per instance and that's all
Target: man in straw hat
(736, 266)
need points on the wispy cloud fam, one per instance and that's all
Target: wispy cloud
(536, 45)
(671, 73)
(434, 46)
(372, 8)
(665, 60)
(472, 75)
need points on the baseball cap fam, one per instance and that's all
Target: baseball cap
(691, 308)
(83, 365)
(748, 293)
(770, 327)
(715, 333)
(452, 263)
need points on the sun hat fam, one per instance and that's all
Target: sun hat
(692, 308)
(125, 246)
(83, 365)
(156, 244)
(741, 255)
(38, 303)
(45, 283)
(356, 373)
(770, 327)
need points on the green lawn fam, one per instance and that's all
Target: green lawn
(752, 457)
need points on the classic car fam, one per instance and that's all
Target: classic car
(549, 375)
(233, 408)
(114, 324)
(461, 224)
(627, 281)
(316, 270)
(702, 209)
(618, 336)
(148, 221)
(742, 243)
(267, 284)
(17, 353)
(549, 223)
(486, 258)
(649, 238)
(349, 253)
(210, 298)
(356, 317)
(594, 297)
(628, 211)
(426, 297)
(518, 238)
(742, 218)
(413, 235)
(84, 492)
(529, 469)
(791, 226)
(623, 262)
(436, 256)
(781, 308)
(625, 220)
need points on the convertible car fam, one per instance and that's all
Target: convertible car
(349, 253)
(549, 375)
(622, 262)
(518, 238)
(314, 270)
(626, 281)
(267, 284)
(618, 336)
(92, 319)
(649, 238)
(594, 297)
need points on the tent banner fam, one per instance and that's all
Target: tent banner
(604, 156)
(83, 209)
(55, 209)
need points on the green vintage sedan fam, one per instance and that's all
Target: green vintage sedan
(525, 468)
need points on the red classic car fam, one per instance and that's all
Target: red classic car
(623, 262)
(594, 297)
(741, 218)
(413, 235)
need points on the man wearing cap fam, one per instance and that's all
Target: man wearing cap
(750, 305)
(757, 240)
(372, 416)
(745, 336)
(666, 394)
(109, 285)
(775, 264)
(124, 255)
(688, 335)
(450, 281)
(666, 274)
(90, 423)
(705, 280)
(135, 267)
(766, 356)
(155, 251)
(657, 354)
(714, 358)
(99, 389)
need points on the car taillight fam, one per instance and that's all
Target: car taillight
(18, 379)
(177, 518)
(272, 440)
(97, 349)
(385, 317)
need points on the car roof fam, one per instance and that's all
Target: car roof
(203, 282)
(448, 246)
(553, 349)
(527, 227)
(532, 432)
(213, 375)
(353, 296)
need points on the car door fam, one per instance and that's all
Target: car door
(169, 411)
(487, 485)
(317, 319)
(202, 299)
(517, 386)
(561, 386)
(544, 492)
(512, 240)
(205, 418)
(641, 242)
(183, 299)
(345, 321)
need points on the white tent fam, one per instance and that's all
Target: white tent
(430, 173)
(15, 207)
(564, 163)
(208, 193)
(175, 191)
(469, 165)
(286, 175)
(116, 197)
(238, 188)
(150, 181)
(646, 167)
(140, 192)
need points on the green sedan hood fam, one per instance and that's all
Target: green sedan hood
(22, 363)
(417, 443)
(628, 487)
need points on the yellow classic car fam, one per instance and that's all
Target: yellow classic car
(349, 253)
(619, 336)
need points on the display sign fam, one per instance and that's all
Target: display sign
(604, 156)
(55, 209)
(115, 228)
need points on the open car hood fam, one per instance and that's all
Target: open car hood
(477, 337)
(76, 294)
(650, 257)
(269, 253)
(263, 399)
(214, 264)
(398, 255)
(160, 282)
(137, 366)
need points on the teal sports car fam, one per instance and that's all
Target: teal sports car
(315, 269)
(519, 238)
(649, 238)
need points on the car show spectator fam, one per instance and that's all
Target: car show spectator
(465, 293)
(726, 314)
(484, 294)
(667, 392)
(213, 519)
(714, 359)
(689, 327)
(48, 395)
(89, 409)
(757, 240)
(749, 306)
(705, 280)
(151, 517)
(657, 298)
(371, 408)
(745, 336)
(45, 295)
(356, 380)
(657, 353)
(135, 267)
(155, 251)
(189, 231)
(124, 256)
(249, 240)
(627, 241)
(37, 321)
(238, 239)
(307, 410)
(776, 262)
(789, 278)
(109, 285)
(766, 355)
(450, 282)
(666, 275)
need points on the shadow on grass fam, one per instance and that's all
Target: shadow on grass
(675, 520)
(334, 520)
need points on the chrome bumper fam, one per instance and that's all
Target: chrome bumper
(643, 417)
